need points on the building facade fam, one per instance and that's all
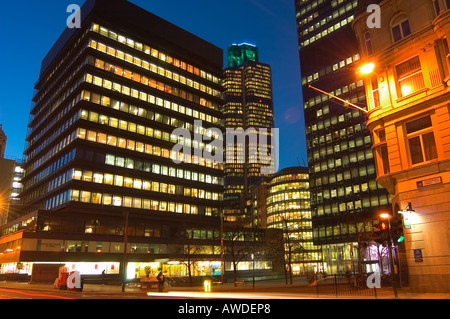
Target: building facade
(345, 197)
(248, 112)
(408, 98)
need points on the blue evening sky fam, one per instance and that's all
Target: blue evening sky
(30, 28)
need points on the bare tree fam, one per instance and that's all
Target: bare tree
(236, 249)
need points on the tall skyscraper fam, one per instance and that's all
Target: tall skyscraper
(248, 107)
(345, 197)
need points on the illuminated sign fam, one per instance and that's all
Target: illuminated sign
(409, 218)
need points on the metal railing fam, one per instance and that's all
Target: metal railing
(342, 285)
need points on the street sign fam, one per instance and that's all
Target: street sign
(418, 255)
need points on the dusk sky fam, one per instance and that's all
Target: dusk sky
(30, 28)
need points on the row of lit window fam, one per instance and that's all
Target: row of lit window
(141, 112)
(56, 133)
(322, 98)
(329, 69)
(153, 52)
(351, 206)
(363, 169)
(324, 33)
(144, 166)
(63, 143)
(56, 97)
(293, 186)
(122, 201)
(335, 15)
(153, 116)
(287, 196)
(334, 120)
(53, 167)
(343, 229)
(346, 190)
(132, 145)
(149, 67)
(289, 177)
(343, 146)
(57, 85)
(290, 224)
(292, 215)
(138, 183)
(55, 118)
(283, 206)
(138, 78)
(139, 129)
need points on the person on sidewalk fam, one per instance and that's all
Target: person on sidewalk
(161, 280)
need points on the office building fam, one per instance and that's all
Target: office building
(408, 102)
(248, 108)
(289, 209)
(345, 198)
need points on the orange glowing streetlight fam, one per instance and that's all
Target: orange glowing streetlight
(385, 215)
(367, 69)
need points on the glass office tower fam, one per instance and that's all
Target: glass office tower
(289, 209)
(345, 198)
(248, 107)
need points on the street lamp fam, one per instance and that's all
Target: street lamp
(367, 69)
(391, 259)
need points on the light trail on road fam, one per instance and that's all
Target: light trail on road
(219, 295)
(33, 295)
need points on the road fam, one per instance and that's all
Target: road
(11, 290)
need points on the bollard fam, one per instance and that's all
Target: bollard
(207, 285)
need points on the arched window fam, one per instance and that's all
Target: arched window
(368, 40)
(400, 27)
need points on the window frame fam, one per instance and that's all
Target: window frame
(399, 22)
(421, 132)
(402, 77)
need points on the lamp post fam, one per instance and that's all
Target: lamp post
(391, 259)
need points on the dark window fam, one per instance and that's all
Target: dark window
(401, 30)
(421, 141)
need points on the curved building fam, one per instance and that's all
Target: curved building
(289, 209)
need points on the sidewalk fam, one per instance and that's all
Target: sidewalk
(261, 289)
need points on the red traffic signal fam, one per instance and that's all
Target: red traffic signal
(383, 225)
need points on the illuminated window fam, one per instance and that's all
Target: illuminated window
(409, 76)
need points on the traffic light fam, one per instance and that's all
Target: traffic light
(397, 229)
(381, 232)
